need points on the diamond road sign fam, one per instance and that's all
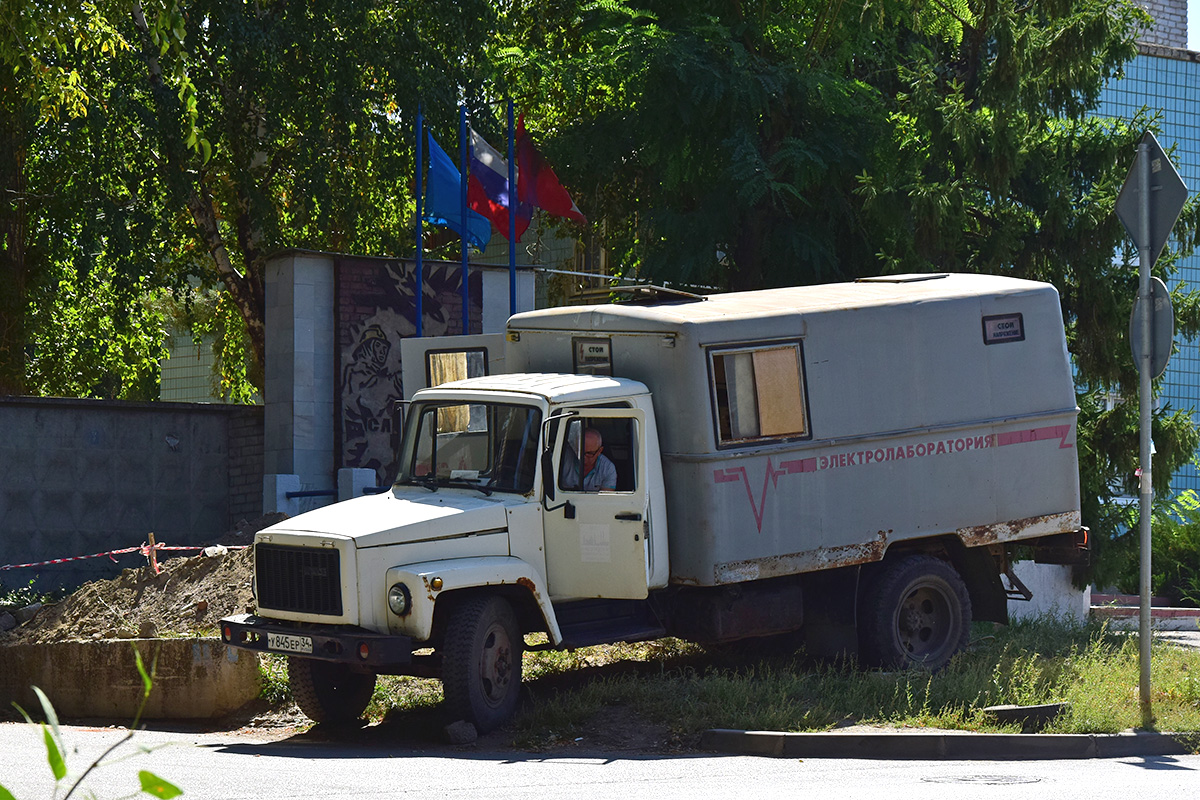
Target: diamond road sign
(1167, 196)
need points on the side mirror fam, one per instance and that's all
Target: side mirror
(547, 476)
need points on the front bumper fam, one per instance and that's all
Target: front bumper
(341, 644)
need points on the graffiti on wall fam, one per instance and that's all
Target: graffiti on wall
(376, 307)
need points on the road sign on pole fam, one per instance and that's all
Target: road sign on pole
(1162, 327)
(1167, 194)
(1149, 204)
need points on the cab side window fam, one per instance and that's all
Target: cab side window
(598, 456)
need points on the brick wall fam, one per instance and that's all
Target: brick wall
(1170, 22)
(245, 463)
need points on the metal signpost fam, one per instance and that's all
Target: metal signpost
(1149, 204)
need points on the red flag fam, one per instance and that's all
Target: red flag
(537, 184)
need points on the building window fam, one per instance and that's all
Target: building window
(758, 394)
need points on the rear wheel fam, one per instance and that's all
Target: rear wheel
(916, 613)
(481, 662)
(329, 692)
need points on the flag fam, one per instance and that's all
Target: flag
(443, 199)
(487, 187)
(537, 184)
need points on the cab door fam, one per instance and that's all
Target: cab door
(596, 541)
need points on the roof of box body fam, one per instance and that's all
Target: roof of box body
(892, 290)
(554, 387)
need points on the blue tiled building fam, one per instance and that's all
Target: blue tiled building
(1165, 78)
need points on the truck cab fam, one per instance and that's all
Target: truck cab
(488, 529)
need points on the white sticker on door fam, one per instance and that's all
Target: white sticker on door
(594, 544)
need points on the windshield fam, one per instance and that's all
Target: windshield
(485, 446)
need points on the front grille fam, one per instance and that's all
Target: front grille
(300, 579)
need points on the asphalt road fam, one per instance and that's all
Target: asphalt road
(233, 766)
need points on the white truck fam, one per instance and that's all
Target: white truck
(850, 463)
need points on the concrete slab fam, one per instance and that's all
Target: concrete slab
(194, 678)
(1161, 618)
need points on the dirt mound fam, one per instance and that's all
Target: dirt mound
(187, 598)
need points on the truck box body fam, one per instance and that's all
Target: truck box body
(925, 406)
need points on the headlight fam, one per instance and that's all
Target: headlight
(399, 599)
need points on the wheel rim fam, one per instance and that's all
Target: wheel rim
(924, 623)
(495, 665)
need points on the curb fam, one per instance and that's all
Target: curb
(953, 746)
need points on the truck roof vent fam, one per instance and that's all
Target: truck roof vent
(912, 278)
(649, 293)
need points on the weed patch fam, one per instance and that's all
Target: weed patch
(685, 688)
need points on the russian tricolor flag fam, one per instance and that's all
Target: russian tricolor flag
(487, 187)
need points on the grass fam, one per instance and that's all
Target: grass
(686, 688)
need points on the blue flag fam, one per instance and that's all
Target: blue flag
(443, 199)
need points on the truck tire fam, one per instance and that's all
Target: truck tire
(481, 662)
(916, 613)
(328, 692)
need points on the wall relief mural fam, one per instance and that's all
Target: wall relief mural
(376, 307)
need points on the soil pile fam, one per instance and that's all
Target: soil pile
(187, 598)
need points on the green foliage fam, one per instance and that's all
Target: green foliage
(87, 340)
(1175, 550)
(272, 669)
(403, 691)
(718, 141)
(21, 596)
(213, 319)
(1175, 562)
(1108, 459)
(215, 136)
(35, 38)
(156, 786)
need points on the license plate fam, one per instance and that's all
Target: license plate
(289, 643)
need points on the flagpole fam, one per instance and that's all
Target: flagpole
(420, 272)
(512, 217)
(463, 154)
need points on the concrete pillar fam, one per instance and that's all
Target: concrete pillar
(300, 382)
(352, 482)
(1053, 593)
(275, 491)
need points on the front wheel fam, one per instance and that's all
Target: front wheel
(481, 662)
(917, 613)
(329, 692)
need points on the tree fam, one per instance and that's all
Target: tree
(42, 93)
(13, 271)
(245, 128)
(719, 141)
(748, 145)
(997, 165)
